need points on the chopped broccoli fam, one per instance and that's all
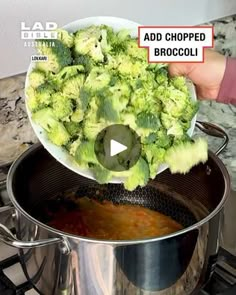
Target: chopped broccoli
(148, 121)
(88, 41)
(73, 128)
(155, 156)
(85, 154)
(118, 40)
(62, 106)
(176, 130)
(32, 101)
(162, 76)
(85, 61)
(128, 119)
(73, 146)
(138, 175)
(112, 101)
(163, 139)
(40, 97)
(71, 87)
(78, 115)
(66, 73)
(143, 100)
(97, 77)
(167, 120)
(58, 55)
(128, 67)
(180, 84)
(181, 158)
(65, 37)
(107, 109)
(136, 52)
(190, 111)
(101, 174)
(36, 78)
(56, 131)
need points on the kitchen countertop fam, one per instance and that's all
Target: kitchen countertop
(17, 135)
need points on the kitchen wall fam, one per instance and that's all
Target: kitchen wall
(14, 57)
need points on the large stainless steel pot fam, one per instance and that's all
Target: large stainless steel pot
(59, 263)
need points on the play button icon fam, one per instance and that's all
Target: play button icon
(117, 147)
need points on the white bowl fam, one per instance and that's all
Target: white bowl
(59, 153)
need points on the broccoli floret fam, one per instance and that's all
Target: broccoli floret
(120, 89)
(156, 67)
(85, 61)
(167, 120)
(143, 100)
(78, 115)
(129, 67)
(91, 125)
(73, 128)
(180, 84)
(176, 130)
(112, 101)
(40, 97)
(71, 87)
(72, 147)
(138, 175)
(118, 40)
(182, 139)
(128, 119)
(136, 52)
(190, 111)
(151, 138)
(88, 41)
(154, 156)
(163, 139)
(62, 106)
(181, 158)
(148, 120)
(97, 79)
(44, 93)
(66, 73)
(101, 174)
(55, 130)
(85, 154)
(36, 78)
(107, 109)
(58, 55)
(65, 37)
(162, 76)
(32, 101)
(174, 102)
(91, 129)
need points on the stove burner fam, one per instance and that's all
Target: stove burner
(7, 287)
(223, 280)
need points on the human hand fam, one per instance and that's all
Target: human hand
(206, 76)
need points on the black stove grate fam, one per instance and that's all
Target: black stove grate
(223, 280)
(7, 287)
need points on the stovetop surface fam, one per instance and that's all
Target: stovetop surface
(14, 282)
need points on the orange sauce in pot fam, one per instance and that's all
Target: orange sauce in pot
(105, 220)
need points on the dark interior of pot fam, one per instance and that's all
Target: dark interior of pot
(38, 179)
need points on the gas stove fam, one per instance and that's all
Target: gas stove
(14, 282)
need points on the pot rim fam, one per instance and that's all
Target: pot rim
(115, 242)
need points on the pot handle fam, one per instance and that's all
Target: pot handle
(216, 131)
(7, 237)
